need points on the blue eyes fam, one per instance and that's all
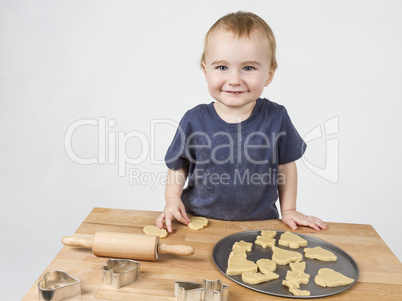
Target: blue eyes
(224, 68)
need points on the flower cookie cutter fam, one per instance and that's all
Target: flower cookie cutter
(58, 285)
(120, 272)
(205, 291)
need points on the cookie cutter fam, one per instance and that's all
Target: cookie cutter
(120, 272)
(205, 291)
(58, 285)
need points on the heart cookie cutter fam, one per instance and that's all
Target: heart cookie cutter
(58, 285)
(120, 272)
(205, 291)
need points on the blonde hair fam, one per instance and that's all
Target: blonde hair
(242, 24)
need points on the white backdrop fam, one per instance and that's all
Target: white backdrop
(123, 66)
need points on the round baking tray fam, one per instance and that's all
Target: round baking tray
(344, 264)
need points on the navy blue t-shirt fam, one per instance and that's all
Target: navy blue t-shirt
(233, 167)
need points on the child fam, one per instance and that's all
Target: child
(239, 152)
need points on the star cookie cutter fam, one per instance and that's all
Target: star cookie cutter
(58, 285)
(120, 272)
(205, 291)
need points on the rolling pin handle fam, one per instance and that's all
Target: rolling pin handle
(73, 241)
(175, 249)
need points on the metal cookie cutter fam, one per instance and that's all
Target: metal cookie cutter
(120, 272)
(58, 285)
(206, 291)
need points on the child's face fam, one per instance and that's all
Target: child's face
(237, 69)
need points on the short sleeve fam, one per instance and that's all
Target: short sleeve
(290, 145)
(176, 157)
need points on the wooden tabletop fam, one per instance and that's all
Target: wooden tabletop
(380, 270)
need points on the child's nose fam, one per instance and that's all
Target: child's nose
(234, 78)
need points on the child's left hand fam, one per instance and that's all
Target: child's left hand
(293, 218)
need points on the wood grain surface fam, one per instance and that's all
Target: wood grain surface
(380, 270)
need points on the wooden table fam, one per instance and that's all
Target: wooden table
(380, 270)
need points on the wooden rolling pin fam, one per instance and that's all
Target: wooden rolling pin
(126, 245)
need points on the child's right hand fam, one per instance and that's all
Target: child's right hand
(173, 209)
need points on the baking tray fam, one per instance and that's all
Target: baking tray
(344, 264)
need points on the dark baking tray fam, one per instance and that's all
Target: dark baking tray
(344, 264)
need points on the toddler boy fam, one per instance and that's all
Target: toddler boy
(239, 152)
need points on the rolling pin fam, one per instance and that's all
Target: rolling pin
(126, 245)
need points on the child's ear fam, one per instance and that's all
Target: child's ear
(271, 74)
(204, 66)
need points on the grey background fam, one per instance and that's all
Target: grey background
(133, 62)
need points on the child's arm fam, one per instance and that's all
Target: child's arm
(174, 207)
(287, 198)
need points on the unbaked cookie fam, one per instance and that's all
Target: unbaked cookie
(330, 278)
(299, 292)
(256, 278)
(154, 230)
(294, 279)
(265, 241)
(238, 265)
(238, 252)
(290, 283)
(266, 265)
(283, 257)
(246, 246)
(197, 222)
(291, 240)
(300, 278)
(268, 233)
(320, 254)
(299, 267)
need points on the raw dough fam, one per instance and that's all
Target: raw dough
(238, 265)
(299, 292)
(300, 278)
(291, 240)
(197, 222)
(283, 257)
(320, 254)
(265, 241)
(298, 266)
(290, 283)
(255, 278)
(266, 265)
(268, 233)
(294, 279)
(294, 288)
(238, 252)
(330, 278)
(154, 230)
(246, 246)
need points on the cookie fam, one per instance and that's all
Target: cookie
(291, 240)
(246, 246)
(238, 265)
(319, 254)
(283, 257)
(265, 241)
(300, 278)
(266, 265)
(256, 278)
(330, 278)
(298, 266)
(197, 222)
(154, 230)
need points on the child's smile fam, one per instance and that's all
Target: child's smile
(237, 69)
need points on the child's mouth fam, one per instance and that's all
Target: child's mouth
(234, 92)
